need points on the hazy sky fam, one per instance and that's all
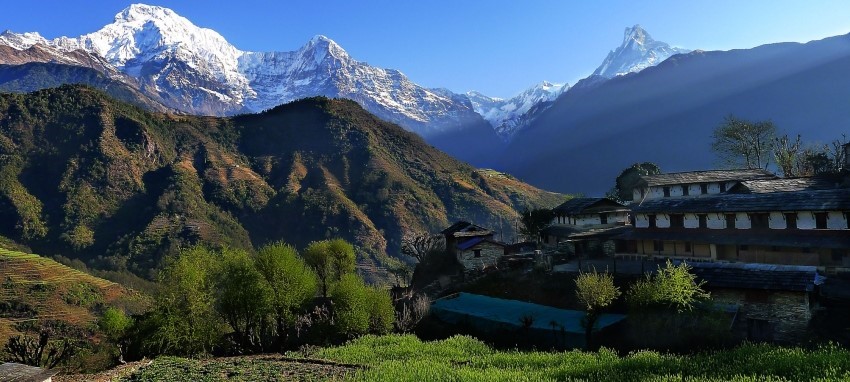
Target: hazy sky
(498, 47)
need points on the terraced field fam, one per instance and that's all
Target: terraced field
(37, 289)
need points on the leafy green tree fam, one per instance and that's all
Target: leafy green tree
(534, 221)
(381, 310)
(629, 179)
(242, 298)
(292, 283)
(115, 324)
(741, 143)
(350, 298)
(331, 259)
(184, 315)
(595, 291)
(673, 287)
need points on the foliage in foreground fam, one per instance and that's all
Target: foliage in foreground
(462, 358)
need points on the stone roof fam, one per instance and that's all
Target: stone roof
(466, 229)
(818, 200)
(589, 205)
(757, 276)
(572, 232)
(761, 186)
(15, 372)
(708, 176)
(475, 241)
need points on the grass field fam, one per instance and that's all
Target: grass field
(461, 358)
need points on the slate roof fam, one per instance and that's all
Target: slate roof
(757, 276)
(586, 232)
(589, 205)
(475, 241)
(15, 372)
(708, 176)
(761, 186)
(818, 200)
(463, 228)
(778, 238)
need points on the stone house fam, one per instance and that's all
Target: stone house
(694, 183)
(463, 231)
(479, 253)
(774, 302)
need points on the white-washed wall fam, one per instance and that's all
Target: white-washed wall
(716, 221)
(806, 220)
(836, 220)
(641, 221)
(662, 221)
(742, 221)
(691, 221)
(776, 220)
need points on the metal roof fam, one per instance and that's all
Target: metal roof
(818, 200)
(708, 176)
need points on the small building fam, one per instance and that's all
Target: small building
(693, 183)
(774, 301)
(479, 253)
(16, 372)
(588, 227)
(512, 319)
(463, 231)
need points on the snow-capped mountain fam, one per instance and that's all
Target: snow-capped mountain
(196, 70)
(505, 115)
(638, 52)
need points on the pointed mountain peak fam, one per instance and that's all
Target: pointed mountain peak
(322, 46)
(637, 52)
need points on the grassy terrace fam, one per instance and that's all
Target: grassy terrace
(460, 358)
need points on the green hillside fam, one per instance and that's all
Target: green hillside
(88, 177)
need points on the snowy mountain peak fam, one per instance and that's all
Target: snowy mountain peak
(505, 115)
(322, 46)
(144, 12)
(637, 52)
(21, 41)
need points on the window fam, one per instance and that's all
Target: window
(677, 221)
(703, 220)
(477, 253)
(791, 220)
(658, 245)
(821, 219)
(603, 218)
(687, 246)
(730, 221)
(651, 220)
(685, 190)
(722, 187)
(666, 192)
(760, 221)
(703, 189)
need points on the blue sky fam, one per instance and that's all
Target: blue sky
(498, 47)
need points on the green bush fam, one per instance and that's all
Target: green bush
(350, 297)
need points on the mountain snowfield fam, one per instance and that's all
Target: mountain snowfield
(197, 71)
(638, 52)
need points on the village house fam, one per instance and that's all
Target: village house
(694, 183)
(771, 302)
(473, 245)
(802, 221)
(587, 227)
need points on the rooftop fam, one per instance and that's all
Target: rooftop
(475, 241)
(463, 228)
(761, 186)
(16, 372)
(816, 200)
(757, 276)
(708, 176)
(589, 205)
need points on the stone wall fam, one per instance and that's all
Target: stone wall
(788, 313)
(488, 255)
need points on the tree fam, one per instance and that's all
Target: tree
(330, 259)
(741, 143)
(43, 350)
(350, 298)
(629, 179)
(242, 298)
(672, 287)
(595, 291)
(787, 155)
(292, 283)
(534, 221)
(381, 310)
(115, 324)
(420, 245)
(184, 314)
